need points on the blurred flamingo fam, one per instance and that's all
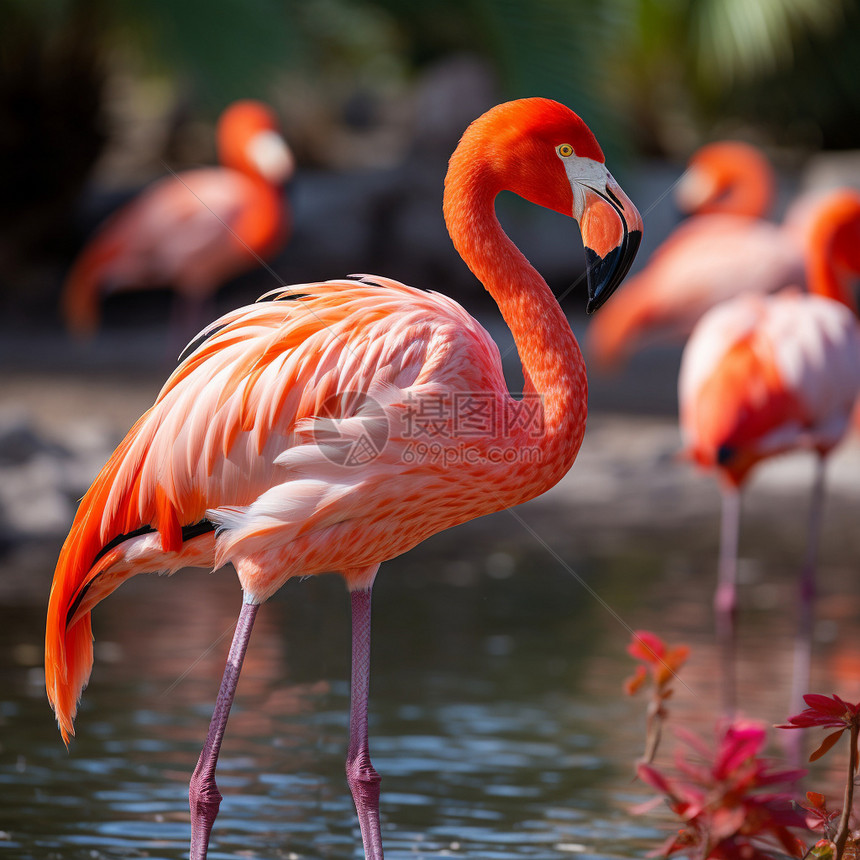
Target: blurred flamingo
(286, 444)
(762, 375)
(194, 230)
(727, 177)
(724, 251)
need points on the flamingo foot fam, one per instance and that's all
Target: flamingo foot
(364, 784)
(203, 794)
(205, 800)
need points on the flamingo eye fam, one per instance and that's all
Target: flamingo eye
(564, 150)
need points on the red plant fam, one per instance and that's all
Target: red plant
(726, 800)
(660, 663)
(818, 817)
(663, 661)
(831, 712)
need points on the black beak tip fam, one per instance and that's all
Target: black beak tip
(605, 274)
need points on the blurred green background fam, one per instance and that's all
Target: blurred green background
(96, 96)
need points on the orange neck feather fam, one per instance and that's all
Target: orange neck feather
(551, 360)
(834, 248)
(742, 176)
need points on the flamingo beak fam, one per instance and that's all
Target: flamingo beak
(611, 230)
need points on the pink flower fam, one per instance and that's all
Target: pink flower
(725, 798)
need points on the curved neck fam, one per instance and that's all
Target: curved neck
(823, 278)
(751, 192)
(551, 360)
(743, 182)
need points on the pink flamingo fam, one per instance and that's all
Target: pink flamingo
(724, 251)
(172, 234)
(286, 442)
(762, 375)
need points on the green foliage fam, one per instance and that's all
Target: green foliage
(228, 49)
(558, 49)
(736, 40)
(632, 68)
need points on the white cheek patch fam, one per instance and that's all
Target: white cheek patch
(694, 189)
(584, 173)
(272, 156)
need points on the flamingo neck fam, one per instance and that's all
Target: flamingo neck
(552, 363)
(823, 276)
(751, 193)
(743, 183)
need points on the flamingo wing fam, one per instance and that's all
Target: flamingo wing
(234, 438)
(761, 375)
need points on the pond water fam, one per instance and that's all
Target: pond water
(497, 718)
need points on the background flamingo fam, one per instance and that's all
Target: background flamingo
(725, 250)
(764, 375)
(282, 443)
(173, 234)
(727, 177)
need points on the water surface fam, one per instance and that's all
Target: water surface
(497, 719)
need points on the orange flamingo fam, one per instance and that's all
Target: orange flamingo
(172, 234)
(338, 429)
(762, 375)
(727, 177)
(724, 251)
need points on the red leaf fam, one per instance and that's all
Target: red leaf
(832, 705)
(635, 681)
(654, 778)
(646, 646)
(826, 744)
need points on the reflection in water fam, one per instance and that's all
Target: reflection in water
(498, 724)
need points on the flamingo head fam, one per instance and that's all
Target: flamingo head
(542, 151)
(729, 177)
(249, 140)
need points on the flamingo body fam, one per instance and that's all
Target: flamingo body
(763, 375)
(192, 231)
(289, 442)
(240, 432)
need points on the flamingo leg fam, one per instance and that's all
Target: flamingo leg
(726, 596)
(203, 793)
(806, 595)
(360, 774)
